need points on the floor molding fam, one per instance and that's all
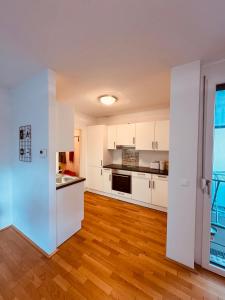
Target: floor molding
(182, 265)
(7, 227)
(32, 243)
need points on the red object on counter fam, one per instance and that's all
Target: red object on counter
(70, 173)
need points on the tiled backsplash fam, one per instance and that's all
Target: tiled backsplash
(130, 157)
(144, 157)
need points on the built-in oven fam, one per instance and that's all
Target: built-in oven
(121, 181)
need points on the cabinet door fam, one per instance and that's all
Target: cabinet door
(126, 135)
(162, 135)
(112, 136)
(70, 211)
(95, 178)
(160, 191)
(145, 136)
(95, 145)
(107, 181)
(141, 187)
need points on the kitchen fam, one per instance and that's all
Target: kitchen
(121, 162)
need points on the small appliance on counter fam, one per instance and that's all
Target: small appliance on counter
(167, 165)
(155, 165)
(162, 165)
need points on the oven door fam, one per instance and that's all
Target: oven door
(121, 183)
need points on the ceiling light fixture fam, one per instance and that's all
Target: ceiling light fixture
(107, 99)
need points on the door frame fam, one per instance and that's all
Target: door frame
(214, 76)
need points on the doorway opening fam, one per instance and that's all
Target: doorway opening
(68, 163)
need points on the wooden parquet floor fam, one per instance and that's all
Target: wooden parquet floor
(118, 254)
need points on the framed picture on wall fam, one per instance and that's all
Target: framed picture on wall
(25, 151)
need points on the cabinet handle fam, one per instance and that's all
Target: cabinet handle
(153, 184)
(156, 144)
(149, 184)
(153, 145)
(134, 140)
(101, 172)
(114, 145)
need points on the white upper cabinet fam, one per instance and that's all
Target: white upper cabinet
(162, 135)
(97, 153)
(64, 127)
(126, 135)
(112, 137)
(145, 136)
(160, 190)
(152, 135)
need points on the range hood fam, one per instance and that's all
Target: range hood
(125, 147)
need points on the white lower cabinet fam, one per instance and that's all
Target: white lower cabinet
(160, 190)
(69, 211)
(147, 188)
(95, 178)
(141, 187)
(107, 180)
(100, 179)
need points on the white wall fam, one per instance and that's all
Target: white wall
(34, 183)
(146, 116)
(184, 122)
(81, 122)
(5, 162)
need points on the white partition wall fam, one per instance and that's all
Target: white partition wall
(5, 159)
(184, 120)
(34, 199)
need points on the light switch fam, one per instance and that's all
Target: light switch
(43, 153)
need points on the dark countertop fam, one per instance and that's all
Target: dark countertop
(136, 169)
(65, 184)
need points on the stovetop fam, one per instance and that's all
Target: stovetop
(136, 169)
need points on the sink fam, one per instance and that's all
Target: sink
(61, 179)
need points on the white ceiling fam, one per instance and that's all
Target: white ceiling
(125, 47)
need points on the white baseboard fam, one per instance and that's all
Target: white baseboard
(48, 255)
(5, 227)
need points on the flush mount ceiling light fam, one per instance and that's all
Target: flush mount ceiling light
(107, 99)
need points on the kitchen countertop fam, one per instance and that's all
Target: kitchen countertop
(71, 182)
(136, 169)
